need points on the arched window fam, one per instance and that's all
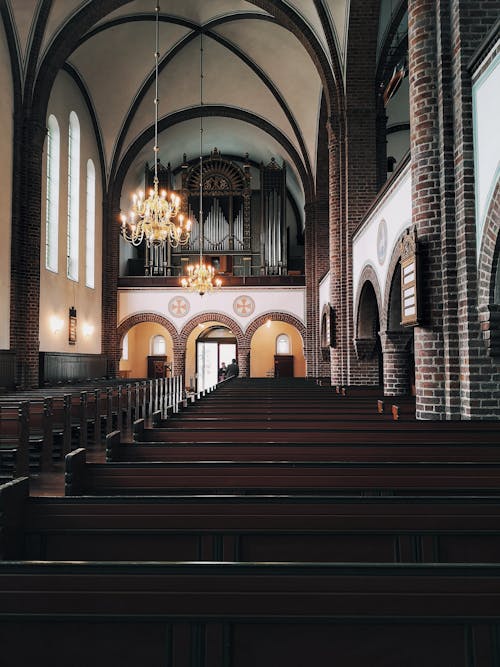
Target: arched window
(52, 195)
(125, 348)
(282, 344)
(159, 345)
(90, 226)
(73, 195)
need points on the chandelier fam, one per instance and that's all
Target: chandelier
(157, 219)
(201, 277)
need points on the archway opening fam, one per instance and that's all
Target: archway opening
(277, 350)
(399, 365)
(368, 345)
(210, 347)
(147, 351)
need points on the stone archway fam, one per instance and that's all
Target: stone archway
(274, 316)
(367, 343)
(202, 318)
(140, 318)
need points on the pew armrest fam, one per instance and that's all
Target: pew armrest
(139, 429)
(112, 445)
(74, 476)
(13, 496)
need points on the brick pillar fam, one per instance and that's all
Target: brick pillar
(110, 273)
(396, 362)
(469, 22)
(310, 342)
(353, 177)
(244, 361)
(338, 360)
(317, 258)
(316, 266)
(179, 360)
(25, 264)
(426, 208)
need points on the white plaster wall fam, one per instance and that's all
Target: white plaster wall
(486, 114)
(57, 292)
(395, 209)
(324, 296)
(6, 123)
(285, 300)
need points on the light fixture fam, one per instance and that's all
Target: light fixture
(268, 323)
(87, 329)
(157, 219)
(200, 278)
(56, 324)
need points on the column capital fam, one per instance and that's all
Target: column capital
(395, 341)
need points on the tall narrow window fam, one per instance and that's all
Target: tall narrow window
(73, 195)
(159, 345)
(90, 226)
(52, 195)
(282, 344)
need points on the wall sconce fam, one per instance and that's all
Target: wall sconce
(87, 329)
(56, 324)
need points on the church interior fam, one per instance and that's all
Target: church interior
(250, 333)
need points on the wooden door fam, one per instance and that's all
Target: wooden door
(283, 366)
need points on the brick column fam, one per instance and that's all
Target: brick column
(310, 342)
(338, 360)
(179, 360)
(25, 264)
(469, 22)
(110, 273)
(396, 362)
(244, 361)
(426, 208)
(316, 266)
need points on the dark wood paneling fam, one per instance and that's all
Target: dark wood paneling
(7, 368)
(66, 367)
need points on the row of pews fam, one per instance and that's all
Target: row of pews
(40, 426)
(270, 522)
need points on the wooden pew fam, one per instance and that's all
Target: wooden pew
(249, 614)
(116, 451)
(15, 436)
(278, 477)
(262, 528)
(342, 433)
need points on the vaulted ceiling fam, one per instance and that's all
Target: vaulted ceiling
(262, 90)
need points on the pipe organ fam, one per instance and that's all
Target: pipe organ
(273, 220)
(244, 230)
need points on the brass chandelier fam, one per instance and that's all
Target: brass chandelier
(201, 277)
(156, 219)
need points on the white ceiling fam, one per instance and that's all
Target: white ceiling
(116, 59)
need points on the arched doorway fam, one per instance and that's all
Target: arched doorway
(208, 346)
(399, 356)
(277, 350)
(147, 351)
(368, 344)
